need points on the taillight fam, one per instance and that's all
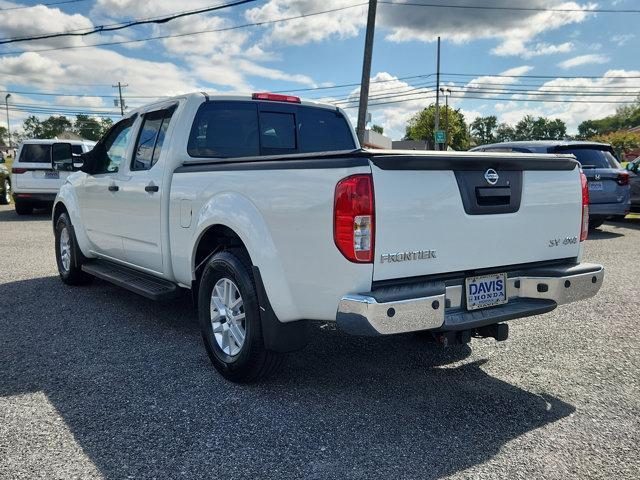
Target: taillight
(584, 231)
(623, 179)
(18, 170)
(354, 218)
(275, 97)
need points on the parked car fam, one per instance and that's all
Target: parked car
(5, 182)
(269, 212)
(35, 183)
(608, 181)
(634, 180)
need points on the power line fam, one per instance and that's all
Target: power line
(41, 4)
(501, 75)
(517, 9)
(105, 28)
(496, 99)
(118, 23)
(178, 35)
(79, 95)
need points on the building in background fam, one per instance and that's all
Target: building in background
(410, 145)
(376, 140)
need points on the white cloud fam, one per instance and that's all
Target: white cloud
(591, 58)
(622, 38)
(546, 49)
(144, 9)
(586, 106)
(340, 24)
(40, 20)
(74, 101)
(514, 29)
(488, 82)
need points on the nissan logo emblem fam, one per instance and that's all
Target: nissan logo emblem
(491, 176)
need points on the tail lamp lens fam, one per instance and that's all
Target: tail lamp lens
(354, 218)
(623, 179)
(18, 170)
(584, 231)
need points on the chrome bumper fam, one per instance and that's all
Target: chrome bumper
(532, 292)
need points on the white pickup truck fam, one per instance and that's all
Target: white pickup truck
(269, 212)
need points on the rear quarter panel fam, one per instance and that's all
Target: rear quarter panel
(285, 219)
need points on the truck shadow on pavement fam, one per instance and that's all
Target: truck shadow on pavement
(8, 214)
(132, 382)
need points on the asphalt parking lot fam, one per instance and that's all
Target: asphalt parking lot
(96, 382)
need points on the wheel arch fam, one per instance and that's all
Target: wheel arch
(233, 218)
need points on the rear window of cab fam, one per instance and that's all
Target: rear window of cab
(231, 129)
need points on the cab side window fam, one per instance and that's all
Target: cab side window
(151, 138)
(115, 146)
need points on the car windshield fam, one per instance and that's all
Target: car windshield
(593, 157)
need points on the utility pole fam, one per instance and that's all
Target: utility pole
(437, 125)
(446, 92)
(120, 86)
(6, 104)
(366, 71)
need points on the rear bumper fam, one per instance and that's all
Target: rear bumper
(605, 210)
(34, 198)
(441, 305)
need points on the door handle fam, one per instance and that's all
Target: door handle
(114, 188)
(151, 188)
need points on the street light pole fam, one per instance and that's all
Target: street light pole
(446, 92)
(6, 104)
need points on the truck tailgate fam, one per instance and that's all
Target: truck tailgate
(439, 213)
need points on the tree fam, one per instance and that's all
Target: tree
(621, 141)
(483, 129)
(90, 127)
(32, 127)
(55, 125)
(541, 128)
(4, 136)
(377, 129)
(626, 116)
(505, 133)
(422, 127)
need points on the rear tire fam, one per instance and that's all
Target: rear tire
(593, 224)
(68, 255)
(23, 208)
(230, 324)
(5, 194)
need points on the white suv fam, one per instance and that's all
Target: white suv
(33, 180)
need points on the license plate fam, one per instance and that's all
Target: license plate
(595, 186)
(486, 290)
(52, 175)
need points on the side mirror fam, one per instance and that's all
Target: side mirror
(62, 157)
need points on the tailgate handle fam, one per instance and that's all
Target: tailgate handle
(493, 195)
(114, 188)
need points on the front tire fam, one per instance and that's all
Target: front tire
(67, 253)
(229, 317)
(5, 195)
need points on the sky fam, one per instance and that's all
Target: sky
(494, 62)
